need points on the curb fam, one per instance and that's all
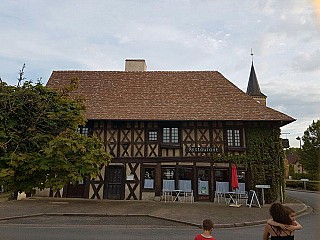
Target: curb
(228, 225)
(99, 215)
(22, 216)
(305, 210)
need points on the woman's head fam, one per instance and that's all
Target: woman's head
(279, 214)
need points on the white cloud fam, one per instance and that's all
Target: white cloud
(173, 35)
(307, 61)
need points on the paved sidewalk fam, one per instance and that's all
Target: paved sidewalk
(193, 214)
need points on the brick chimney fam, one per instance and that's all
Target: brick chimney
(135, 65)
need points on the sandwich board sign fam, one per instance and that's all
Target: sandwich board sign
(252, 199)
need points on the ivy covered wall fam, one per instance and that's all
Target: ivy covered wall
(264, 160)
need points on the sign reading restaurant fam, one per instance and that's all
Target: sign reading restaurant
(202, 150)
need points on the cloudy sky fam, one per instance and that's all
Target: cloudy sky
(174, 35)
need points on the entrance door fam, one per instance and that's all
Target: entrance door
(76, 190)
(203, 184)
(115, 183)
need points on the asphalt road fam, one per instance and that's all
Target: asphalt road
(310, 222)
(50, 227)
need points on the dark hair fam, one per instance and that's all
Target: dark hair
(279, 214)
(207, 224)
(288, 210)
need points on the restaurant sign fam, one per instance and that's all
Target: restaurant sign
(202, 150)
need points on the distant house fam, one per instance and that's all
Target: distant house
(163, 127)
(293, 161)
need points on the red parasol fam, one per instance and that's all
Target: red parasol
(234, 177)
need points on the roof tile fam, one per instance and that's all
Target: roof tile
(164, 95)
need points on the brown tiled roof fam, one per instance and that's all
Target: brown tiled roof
(292, 158)
(164, 95)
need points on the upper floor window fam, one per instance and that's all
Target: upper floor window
(153, 136)
(233, 136)
(83, 131)
(170, 135)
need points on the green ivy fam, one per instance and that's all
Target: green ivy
(267, 160)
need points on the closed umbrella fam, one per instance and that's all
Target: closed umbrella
(234, 183)
(234, 177)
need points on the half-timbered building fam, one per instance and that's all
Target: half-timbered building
(162, 128)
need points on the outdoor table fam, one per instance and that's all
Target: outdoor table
(176, 194)
(233, 197)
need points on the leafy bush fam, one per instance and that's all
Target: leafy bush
(311, 185)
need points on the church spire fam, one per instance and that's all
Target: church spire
(253, 88)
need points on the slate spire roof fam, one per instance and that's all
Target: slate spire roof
(253, 88)
(163, 96)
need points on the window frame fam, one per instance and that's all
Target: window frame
(84, 131)
(224, 177)
(176, 174)
(143, 178)
(154, 134)
(239, 138)
(170, 135)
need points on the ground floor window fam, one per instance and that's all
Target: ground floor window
(177, 178)
(168, 178)
(149, 176)
(241, 176)
(221, 175)
(203, 181)
(185, 178)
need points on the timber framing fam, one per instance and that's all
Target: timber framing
(163, 128)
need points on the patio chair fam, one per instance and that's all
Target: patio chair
(242, 194)
(221, 189)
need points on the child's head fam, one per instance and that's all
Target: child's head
(290, 212)
(207, 225)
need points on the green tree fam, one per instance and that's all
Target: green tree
(39, 145)
(310, 152)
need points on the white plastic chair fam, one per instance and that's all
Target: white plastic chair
(187, 194)
(241, 192)
(167, 195)
(221, 189)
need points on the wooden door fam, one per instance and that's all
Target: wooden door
(76, 190)
(115, 183)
